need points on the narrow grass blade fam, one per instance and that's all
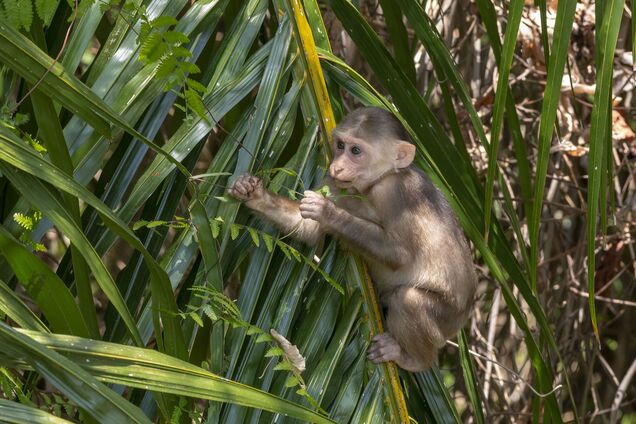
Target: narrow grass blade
(543, 16)
(17, 413)
(399, 37)
(81, 36)
(14, 152)
(324, 371)
(470, 379)
(489, 19)
(436, 394)
(350, 390)
(152, 370)
(510, 42)
(273, 78)
(237, 42)
(48, 201)
(599, 140)
(14, 308)
(367, 405)
(350, 80)
(44, 287)
(314, 17)
(26, 59)
(53, 137)
(97, 400)
(51, 133)
(551, 98)
(213, 278)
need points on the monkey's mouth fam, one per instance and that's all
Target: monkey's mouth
(342, 183)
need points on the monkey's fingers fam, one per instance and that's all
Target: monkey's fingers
(383, 348)
(312, 194)
(255, 181)
(309, 211)
(310, 204)
(240, 188)
(247, 185)
(235, 194)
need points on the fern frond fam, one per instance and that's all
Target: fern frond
(23, 221)
(25, 8)
(46, 10)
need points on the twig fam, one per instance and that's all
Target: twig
(608, 369)
(620, 393)
(55, 61)
(514, 374)
(604, 299)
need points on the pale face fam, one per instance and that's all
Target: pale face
(359, 163)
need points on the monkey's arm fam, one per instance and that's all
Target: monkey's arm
(365, 236)
(282, 212)
(285, 214)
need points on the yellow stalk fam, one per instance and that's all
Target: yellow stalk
(304, 36)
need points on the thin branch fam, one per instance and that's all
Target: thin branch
(516, 376)
(55, 61)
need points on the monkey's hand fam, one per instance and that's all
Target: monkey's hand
(247, 188)
(317, 207)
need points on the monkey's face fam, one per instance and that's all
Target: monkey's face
(359, 163)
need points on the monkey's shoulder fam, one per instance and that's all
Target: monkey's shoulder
(410, 189)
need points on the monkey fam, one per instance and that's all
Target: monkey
(398, 221)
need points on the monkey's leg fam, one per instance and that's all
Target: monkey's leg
(414, 333)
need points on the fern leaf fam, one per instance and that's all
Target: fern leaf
(12, 11)
(296, 254)
(284, 366)
(23, 221)
(234, 231)
(46, 10)
(194, 102)
(189, 68)
(196, 86)
(274, 351)
(163, 21)
(38, 247)
(26, 14)
(269, 242)
(175, 38)
(254, 236)
(283, 247)
(166, 66)
(292, 381)
(196, 318)
(181, 52)
(152, 48)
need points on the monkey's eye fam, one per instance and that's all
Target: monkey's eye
(356, 150)
(340, 145)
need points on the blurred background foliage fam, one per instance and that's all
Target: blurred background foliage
(133, 290)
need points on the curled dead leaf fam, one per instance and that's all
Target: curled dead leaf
(291, 351)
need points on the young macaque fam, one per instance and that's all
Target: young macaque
(400, 223)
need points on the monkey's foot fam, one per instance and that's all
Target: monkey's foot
(384, 348)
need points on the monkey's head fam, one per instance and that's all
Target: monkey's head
(368, 144)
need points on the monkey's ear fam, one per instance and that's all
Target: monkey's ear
(405, 154)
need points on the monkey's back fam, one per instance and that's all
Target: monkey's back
(415, 212)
